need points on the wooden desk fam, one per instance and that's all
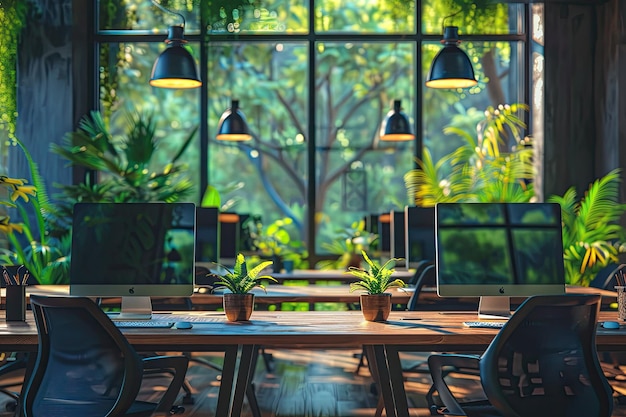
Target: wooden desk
(421, 331)
(276, 294)
(311, 294)
(315, 275)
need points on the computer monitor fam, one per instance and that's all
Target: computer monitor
(419, 235)
(133, 251)
(384, 234)
(207, 235)
(397, 236)
(229, 238)
(498, 250)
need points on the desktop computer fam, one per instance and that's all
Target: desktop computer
(498, 250)
(133, 251)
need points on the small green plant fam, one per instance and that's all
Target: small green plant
(376, 279)
(348, 243)
(241, 280)
(275, 241)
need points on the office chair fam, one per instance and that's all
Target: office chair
(542, 363)
(86, 367)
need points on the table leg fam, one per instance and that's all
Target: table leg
(226, 384)
(380, 373)
(387, 372)
(397, 380)
(246, 361)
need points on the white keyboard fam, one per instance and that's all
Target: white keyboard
(485, 324)
(152, 324)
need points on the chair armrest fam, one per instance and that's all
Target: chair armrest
(436, 364)
(177, 366)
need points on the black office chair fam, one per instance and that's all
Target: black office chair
(86, 367)
(542, 363)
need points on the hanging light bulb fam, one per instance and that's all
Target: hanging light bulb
(232, 125)
(395, 126)
(451, 67)
(175, 67)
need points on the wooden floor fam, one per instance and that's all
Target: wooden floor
(305, 383)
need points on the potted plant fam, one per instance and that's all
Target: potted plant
(239, 302)
(376, 280)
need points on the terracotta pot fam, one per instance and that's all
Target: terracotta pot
(376, 307)
(238, 307)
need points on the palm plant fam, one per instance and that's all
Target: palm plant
(125, 167)
(376, 279)
(592, 235)
(242, 280)
(483, 169)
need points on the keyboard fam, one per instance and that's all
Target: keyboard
(485, 324)
(152, 324)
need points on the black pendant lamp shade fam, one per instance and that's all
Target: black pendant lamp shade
(175, 67)
(395, 126)
(451, 67)
(232, 125)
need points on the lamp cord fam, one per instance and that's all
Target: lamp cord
(443, 21)
(169, 11)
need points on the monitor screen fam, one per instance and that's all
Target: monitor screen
(133, 251)
(420, 235)
(207, 235)
(397, 236)
(498, 250)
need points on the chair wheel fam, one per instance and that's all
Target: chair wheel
(11, 406)
(177, 409)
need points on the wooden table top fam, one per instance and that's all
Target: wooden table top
(316, 275)
(426, 331)
(275, 294)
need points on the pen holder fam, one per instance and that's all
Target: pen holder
(15, 302)
(621, 302)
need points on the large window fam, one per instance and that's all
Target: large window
(314, 79)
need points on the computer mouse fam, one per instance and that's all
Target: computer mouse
(183, 325)
(610, 325)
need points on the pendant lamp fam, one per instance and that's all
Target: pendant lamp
(451, 67)
(232, 125)
(175, 67)
(395, 126)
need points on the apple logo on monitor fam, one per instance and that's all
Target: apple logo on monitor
(131, 290)
(501, 290)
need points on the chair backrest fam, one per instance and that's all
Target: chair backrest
(85, 366)
(425, 276)
(544, 361)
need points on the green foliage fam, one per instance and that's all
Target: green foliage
(242, 279)
(592, 235)
(211, 197)
(125, 166)
(43, 246)
(376, 279)
(478, 171)
(275, 238)
(12, 19)
(347, 243)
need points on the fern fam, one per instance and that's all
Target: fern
(241, 280)
(376, 279)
